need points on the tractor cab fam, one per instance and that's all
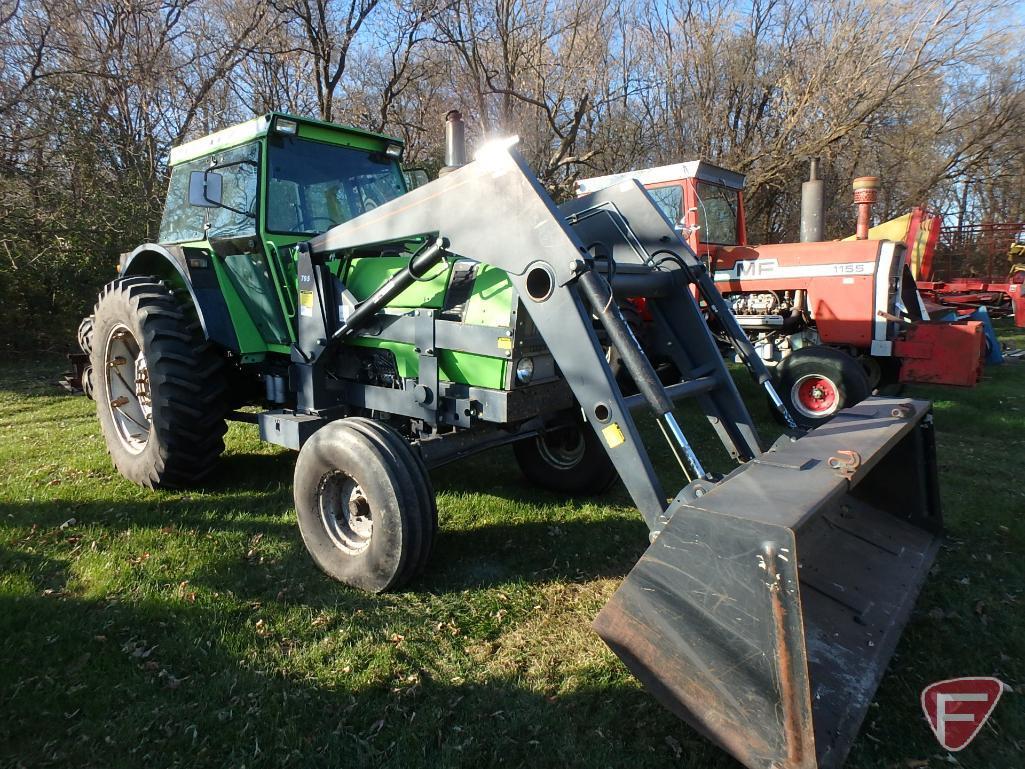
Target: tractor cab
(240, 198)
(704, 202)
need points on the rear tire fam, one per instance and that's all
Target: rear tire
(87, 382)
(85, 335)
(817, 382)
(158, 385)
(365, 505)
(568, 460)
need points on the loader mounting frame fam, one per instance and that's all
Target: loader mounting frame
(550, 279)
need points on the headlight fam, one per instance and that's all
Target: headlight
(524, 370)
(284, 126)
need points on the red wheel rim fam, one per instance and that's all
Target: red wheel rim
(815, 396)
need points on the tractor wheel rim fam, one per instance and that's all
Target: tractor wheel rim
(128, 389)
(345, 513)
(815, 396)
(562, 448)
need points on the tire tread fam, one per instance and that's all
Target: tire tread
(188, 379)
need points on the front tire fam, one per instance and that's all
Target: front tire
(365, 505)
(817, 382)
(568, 460)
(158, 385)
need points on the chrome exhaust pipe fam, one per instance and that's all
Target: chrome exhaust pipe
(455, 142)
(812, 205)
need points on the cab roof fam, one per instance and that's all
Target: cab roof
(694, 169)
(254, 129)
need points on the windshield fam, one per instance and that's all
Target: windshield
(314, 186)
(717, 214)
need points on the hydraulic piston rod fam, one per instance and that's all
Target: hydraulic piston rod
(602, 301)
(418, 266)
(740, 342)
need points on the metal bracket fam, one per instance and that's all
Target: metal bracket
(797, 463)
(426, 391)
(902, 411)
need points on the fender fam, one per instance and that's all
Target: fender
(171, 263)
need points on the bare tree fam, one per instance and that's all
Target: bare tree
(929, 94)
(328, 29)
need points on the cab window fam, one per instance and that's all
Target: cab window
(314, 186)
(717, 214)
(182, 222)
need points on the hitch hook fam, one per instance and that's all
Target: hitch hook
(846, 462)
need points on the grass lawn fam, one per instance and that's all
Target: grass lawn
(151, 629)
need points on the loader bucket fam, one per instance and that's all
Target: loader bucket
(765, 612)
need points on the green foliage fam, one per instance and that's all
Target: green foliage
(65, 215)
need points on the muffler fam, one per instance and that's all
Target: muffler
(765, 611)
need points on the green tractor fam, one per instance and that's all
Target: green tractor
(382, 331)
(212, 306)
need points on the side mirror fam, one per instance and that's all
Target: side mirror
(205, 189)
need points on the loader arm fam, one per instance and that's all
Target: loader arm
(494, 211)
(636, 234)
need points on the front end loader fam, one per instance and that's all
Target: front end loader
(473, 312)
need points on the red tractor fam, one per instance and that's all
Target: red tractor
(838, 319)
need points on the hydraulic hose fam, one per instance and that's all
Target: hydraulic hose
(741, 343)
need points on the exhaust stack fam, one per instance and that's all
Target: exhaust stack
(455, 142)
(866, 192)
(812, 205)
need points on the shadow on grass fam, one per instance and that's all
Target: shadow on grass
(250, 472)
(41, 571)
(482, 555)
(224, 512)
(108, 684)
